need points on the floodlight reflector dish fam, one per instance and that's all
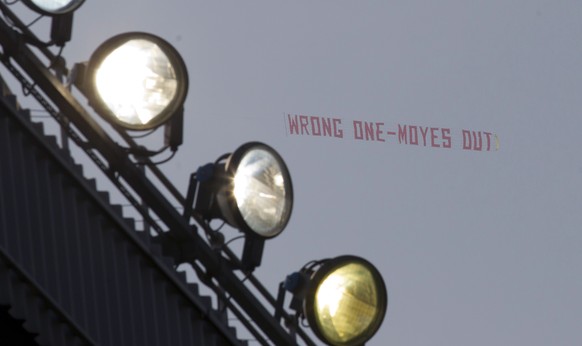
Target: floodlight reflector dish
(138, 80)
(53, 7)
(346, 301)
(261, 197)
(259, 191)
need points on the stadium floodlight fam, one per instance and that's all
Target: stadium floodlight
(344, 299)
(137, 81)
(252, 191)
(53, 7)
(249, 189)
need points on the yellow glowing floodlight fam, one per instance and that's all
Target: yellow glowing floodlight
(346, 301)
(53, 7)
(137, 80)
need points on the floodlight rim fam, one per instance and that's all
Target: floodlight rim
(71, 7)
(231, 167)
(317, 278)
(116, 41)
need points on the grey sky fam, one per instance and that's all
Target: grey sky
(477, 248)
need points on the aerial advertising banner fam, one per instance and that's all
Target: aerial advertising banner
(438, 137)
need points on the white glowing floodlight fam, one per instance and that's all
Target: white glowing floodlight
(137, 81)
(345, 301)
(53, 7)
(257, 195)
(250, 190)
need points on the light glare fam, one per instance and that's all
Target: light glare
(260, 192)
(136, 81)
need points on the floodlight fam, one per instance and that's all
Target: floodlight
(252, 191)
(262, 196)
(249, 189)
(53, 7)
(137, 81)
(344, 300)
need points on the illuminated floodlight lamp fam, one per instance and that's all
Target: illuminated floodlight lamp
(260, 194)
(53, 7)
(250, 190)
(344, 300)
(137, 81)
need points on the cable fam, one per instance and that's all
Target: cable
(165, 160)
(34, 21)
(219, 227)
(221, 157)
(233, 239)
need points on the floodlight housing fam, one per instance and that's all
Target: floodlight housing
(345, 301)
(137, 81)
(53, 7)
(251, 191)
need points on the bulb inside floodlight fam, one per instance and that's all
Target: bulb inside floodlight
(139, 80)
(53, 7)
(148, 84)
(261, 192)
(251, 191)
(346, 302)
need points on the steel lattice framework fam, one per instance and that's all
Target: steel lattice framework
(56, 226)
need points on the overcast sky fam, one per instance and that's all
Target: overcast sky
(476, 247)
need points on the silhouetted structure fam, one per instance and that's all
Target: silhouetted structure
(73, 271)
